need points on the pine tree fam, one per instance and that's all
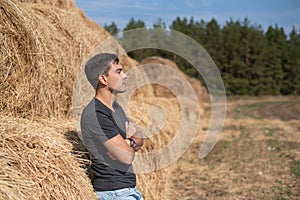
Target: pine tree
(257, 62)
(251, 61)
(213, 40)
(251, 49)
(112, 28)
(231, 42)
(159, 37)
(133, 39)
(291, 84)
(273, 73)
(182, 26)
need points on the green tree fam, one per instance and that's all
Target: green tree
(198, 30)
(291, 83)
(230, 63)
(183, 26)
(255, 60)
(251, 61)
(133, 39)
(251, 48)
(273, 73)
(132, 24)
(213, 37)
(159, 37)
(159, 24)
(112, 28)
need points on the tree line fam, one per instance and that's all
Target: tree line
(251, 61)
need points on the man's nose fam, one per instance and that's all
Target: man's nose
(124, 75)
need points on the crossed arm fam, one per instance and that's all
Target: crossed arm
(120, 149)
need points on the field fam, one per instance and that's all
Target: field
(257, 155)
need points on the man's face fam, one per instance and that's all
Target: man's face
(116, 79)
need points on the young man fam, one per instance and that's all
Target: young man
(108, 136)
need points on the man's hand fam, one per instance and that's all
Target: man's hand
(139, 140)
(133, 133)
(130, 129)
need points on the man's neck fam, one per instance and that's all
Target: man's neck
(106, 98)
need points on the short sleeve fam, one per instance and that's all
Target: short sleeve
(96, 125)
(107, 126)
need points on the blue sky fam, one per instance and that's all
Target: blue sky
(284, 13)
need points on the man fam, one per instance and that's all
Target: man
(106, 132)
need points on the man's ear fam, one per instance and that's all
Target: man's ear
(102, 79)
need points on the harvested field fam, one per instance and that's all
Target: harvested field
(42, 46)
(257, 156)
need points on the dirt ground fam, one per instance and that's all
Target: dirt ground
(256, 157)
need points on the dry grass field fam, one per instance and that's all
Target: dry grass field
(256, 157)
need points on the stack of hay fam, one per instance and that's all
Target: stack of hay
(42, 47)
(43, 44)
(36, 162)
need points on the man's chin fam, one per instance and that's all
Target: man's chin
(119, 91)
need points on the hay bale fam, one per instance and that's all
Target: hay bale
(155, 185)
(64, 4)
(161, 91)
(42, 48)
(41, 51)
(36, 162)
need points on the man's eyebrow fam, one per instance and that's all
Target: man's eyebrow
(119, 69)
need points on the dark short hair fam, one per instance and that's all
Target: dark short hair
(97, 65)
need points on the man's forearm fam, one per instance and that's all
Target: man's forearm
(137, 139)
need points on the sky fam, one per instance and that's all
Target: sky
(284, 13)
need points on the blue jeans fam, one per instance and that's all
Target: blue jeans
(121, 194)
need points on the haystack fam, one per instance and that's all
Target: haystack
(42, 48)
(160, 91)
(36, 161)
(43, 44)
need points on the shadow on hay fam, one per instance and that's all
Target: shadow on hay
(78, 150)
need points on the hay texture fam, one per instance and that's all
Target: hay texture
(43, 44)
(36, 162)
(159, 91)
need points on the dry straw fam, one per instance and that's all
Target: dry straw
(41, 50)
(36, 162)
(42, 46)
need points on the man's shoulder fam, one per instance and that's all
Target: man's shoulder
(90, 107)
(95, 105)
(88, 112)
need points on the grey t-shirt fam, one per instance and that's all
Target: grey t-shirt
(99, 124)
